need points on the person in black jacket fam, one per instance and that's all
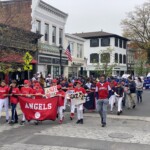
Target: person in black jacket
(131, 94)
(119, 92)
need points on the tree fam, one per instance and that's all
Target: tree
(104, 64)
(136, 27)
(141, 67)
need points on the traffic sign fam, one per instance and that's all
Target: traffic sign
(27, 58)
(28, 67)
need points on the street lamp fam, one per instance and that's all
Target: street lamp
(60, 51)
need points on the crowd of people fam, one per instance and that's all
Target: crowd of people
(107, 92)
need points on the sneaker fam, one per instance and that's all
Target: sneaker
(133, 106)
(81, 121)
(104, 125)
(60, 121)
(22, 122)
(71, 116)
(11, 122)
(7, 121)
(16, 121)
(78, 122)
(118, 113)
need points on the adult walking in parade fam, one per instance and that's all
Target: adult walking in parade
(102, 93)
(139, 90)
(131, 93)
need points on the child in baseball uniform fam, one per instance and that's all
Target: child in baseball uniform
(79, 89)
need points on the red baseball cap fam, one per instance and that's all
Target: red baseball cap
(79, 82)
(54, 81)
(26, 82)
(59, 87)
(70, 84)
(37, 84)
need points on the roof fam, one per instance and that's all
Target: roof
(97, 34)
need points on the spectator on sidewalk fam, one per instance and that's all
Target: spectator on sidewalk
(139, 90)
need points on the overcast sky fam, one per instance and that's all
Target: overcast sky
(95, 15)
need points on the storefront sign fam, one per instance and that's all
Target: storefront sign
(47, 60)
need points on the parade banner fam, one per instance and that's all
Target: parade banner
(51, 91)
(39, 109)
(90, 101)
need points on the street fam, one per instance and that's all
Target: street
(128, 131)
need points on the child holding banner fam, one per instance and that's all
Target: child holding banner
(61, 95)
(14, 91)
(26, 91)
(79, 89)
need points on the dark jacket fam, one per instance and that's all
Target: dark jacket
(119, 91)
(132, 87)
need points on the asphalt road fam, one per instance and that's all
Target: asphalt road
(91, 136)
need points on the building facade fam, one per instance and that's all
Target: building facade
(104, 50)
(78, 64)
(40, 17)
(50, 22)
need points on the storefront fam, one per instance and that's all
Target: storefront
(14, 43)
(49, 61)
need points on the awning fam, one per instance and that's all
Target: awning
(15, 58)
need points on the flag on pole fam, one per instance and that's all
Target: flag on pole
(68, 53)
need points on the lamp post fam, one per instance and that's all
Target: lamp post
(60, 51)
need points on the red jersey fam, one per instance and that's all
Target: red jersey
(26, 90)
(14, 99)
(103, 90)
(38, 91)
(61, 98)
(4, 90)
(80, 89)
(115, 83)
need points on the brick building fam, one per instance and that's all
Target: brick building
(16, 13)
(40, 17)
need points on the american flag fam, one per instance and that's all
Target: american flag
(68, 53)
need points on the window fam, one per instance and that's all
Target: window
(94, 58)
(71, 47)
(105, 42)
(116, 42)
(120, 43)
(38, 26)
(55, 71)
(54, 35)
(124, 44)
(105, 58)
(116, 57)
(46, 32)
(79, 51)
(60, 36)
(94, 42)
(120, 58)
(124, 59)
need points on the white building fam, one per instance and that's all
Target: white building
(78, 64)
(50, 22)
(97, 44)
